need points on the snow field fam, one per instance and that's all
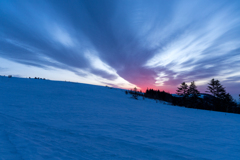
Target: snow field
(41, 119)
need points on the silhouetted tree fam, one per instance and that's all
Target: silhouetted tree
(193, 95)
(158, 95)
(239, 101)
(219, 93)
(227, 102)
(183, 89)
(192, 90)
(216, 89)
(135, 94)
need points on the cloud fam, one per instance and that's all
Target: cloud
(125, 43)
(61, 36)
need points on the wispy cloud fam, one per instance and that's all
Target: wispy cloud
(125, 43)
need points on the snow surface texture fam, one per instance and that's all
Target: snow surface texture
(61, 120)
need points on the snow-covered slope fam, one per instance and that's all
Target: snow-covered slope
(42, 119)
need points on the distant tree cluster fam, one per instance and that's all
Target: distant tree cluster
(216, 98)
(158, 95)
(37, 78)
(135, 93)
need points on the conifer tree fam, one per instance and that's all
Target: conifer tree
(135, 90)
(239, 100)
(227, 101)
(193, 89)
(183, 89)
(135, 94)
(216, 89)
(194, 93)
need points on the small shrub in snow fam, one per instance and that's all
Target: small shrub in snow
(135, 96)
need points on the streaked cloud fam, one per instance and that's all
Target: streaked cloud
(124, 43)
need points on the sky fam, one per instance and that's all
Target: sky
(123, 43)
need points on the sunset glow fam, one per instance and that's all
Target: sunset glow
(122, 43)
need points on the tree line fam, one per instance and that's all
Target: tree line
(216, 98)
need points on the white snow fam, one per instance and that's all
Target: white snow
(42, 119)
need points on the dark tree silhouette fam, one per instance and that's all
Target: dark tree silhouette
(222, 101)
(158, 95)
(227, 102)
(217, 100)
(192, 90)
(239, 101)
(135, 89)
(216, 89)
(183, 89)
(135, 93)
(193, 96)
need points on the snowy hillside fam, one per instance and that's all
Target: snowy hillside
(42, 119)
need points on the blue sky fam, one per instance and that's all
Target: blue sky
(123, 43)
